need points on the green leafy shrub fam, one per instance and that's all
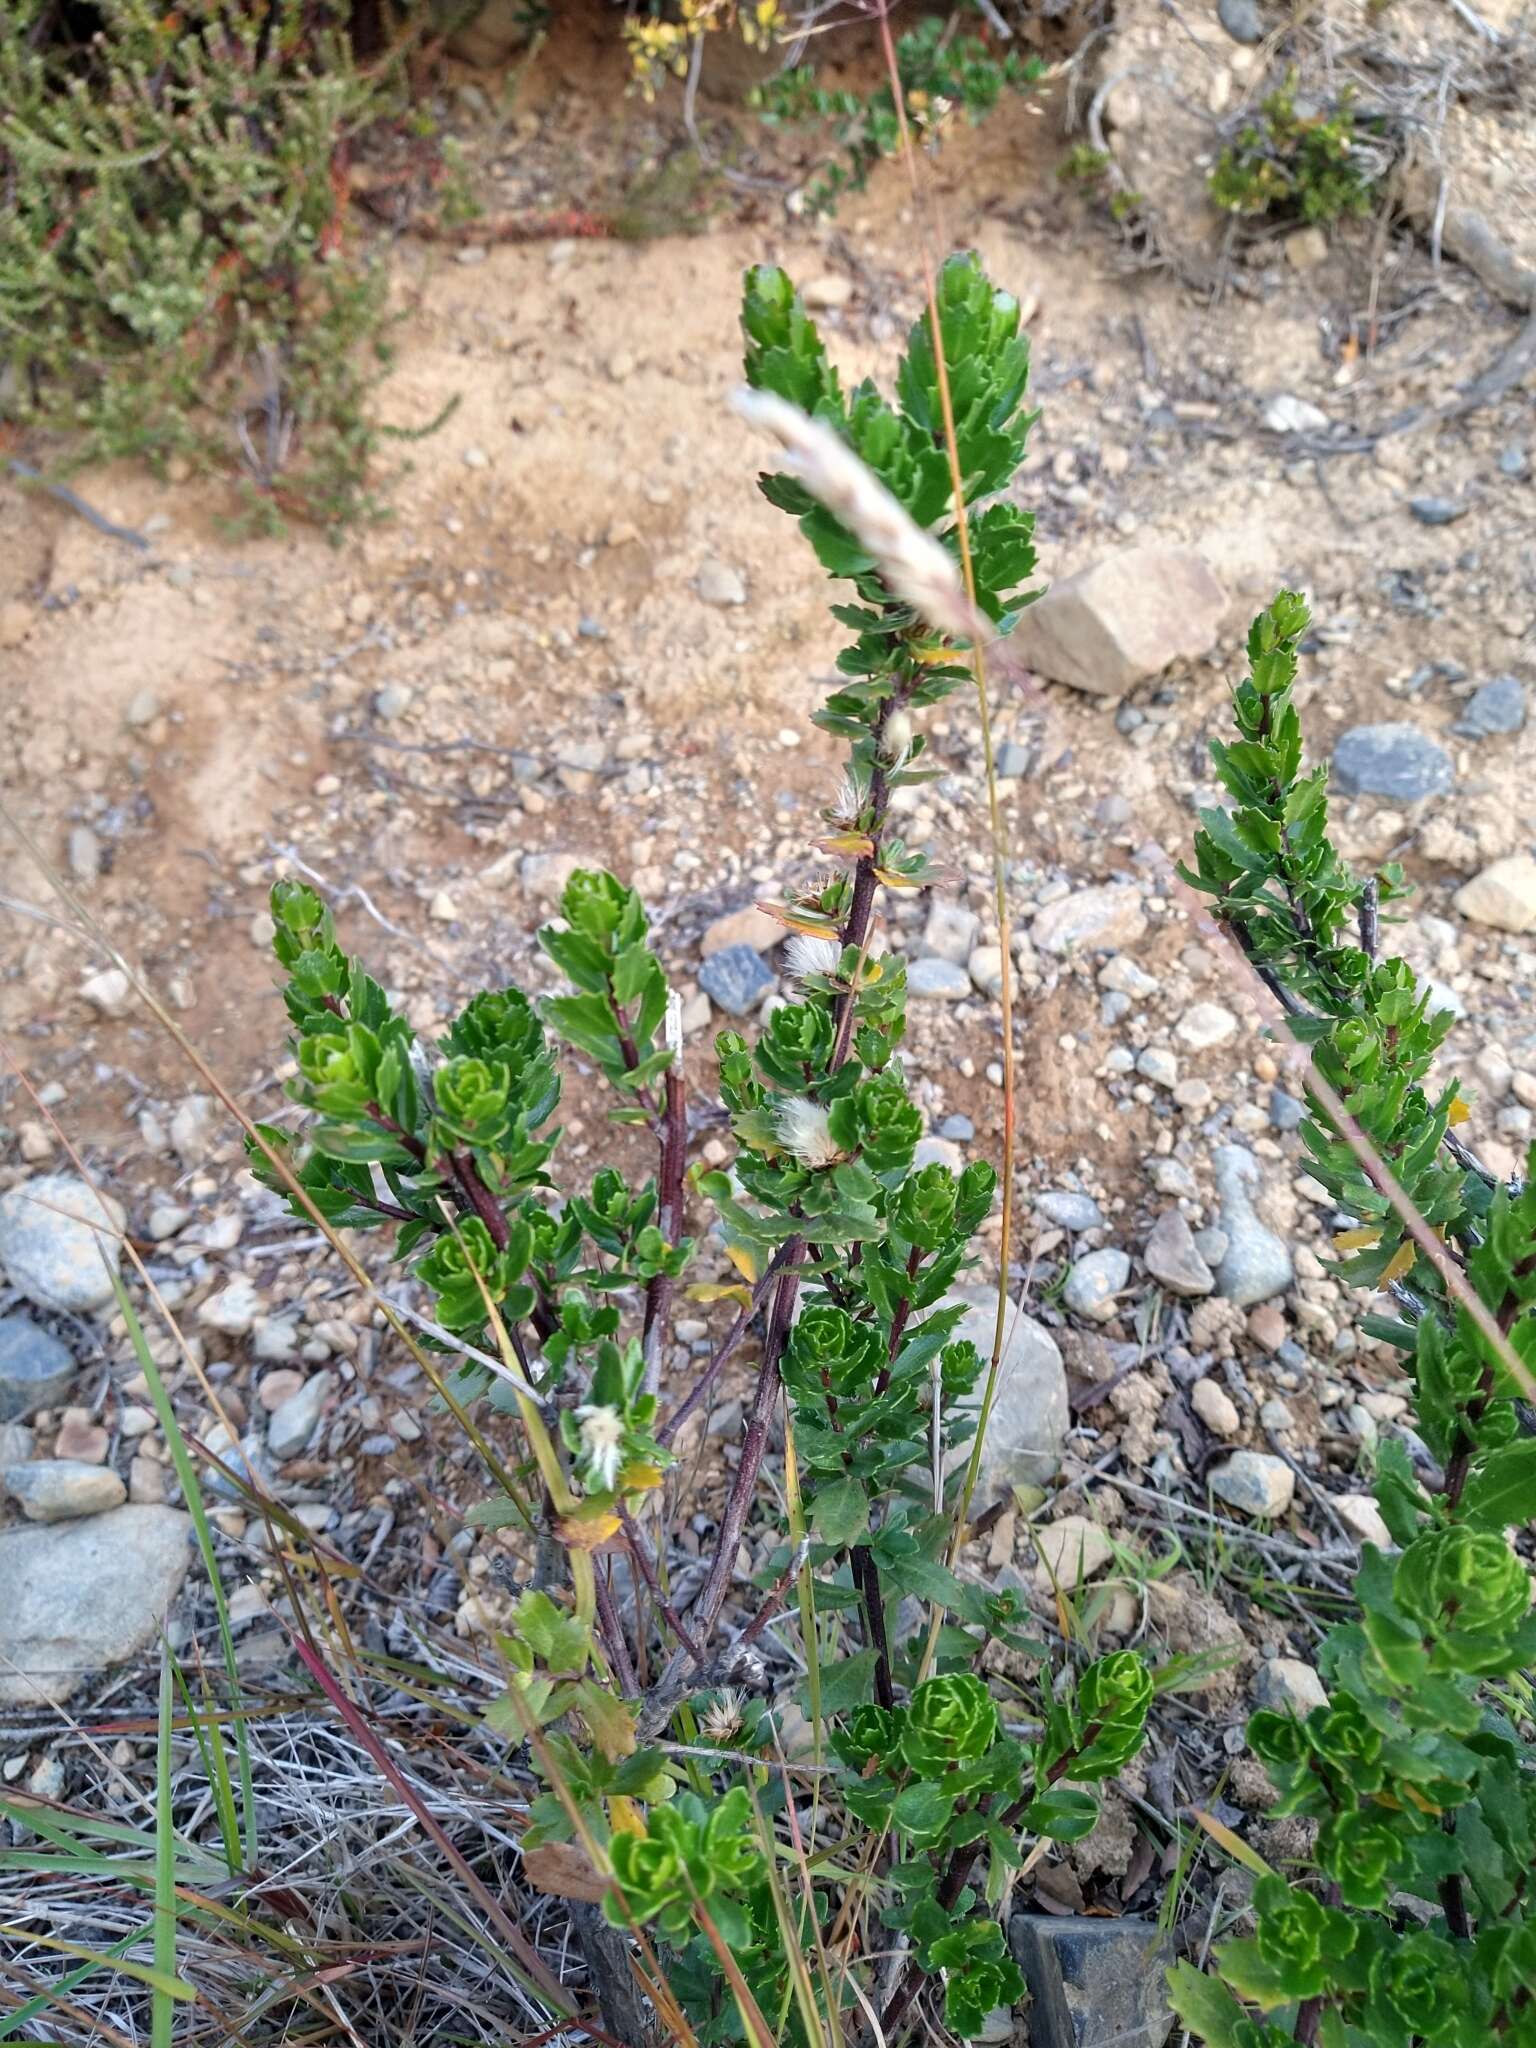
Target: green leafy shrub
(941, 74)
(556, 1309)
(1292, 164)
(1420, 1772)
(178, 277)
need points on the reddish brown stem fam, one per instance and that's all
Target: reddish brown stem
(661, 1290)
(725, 1348)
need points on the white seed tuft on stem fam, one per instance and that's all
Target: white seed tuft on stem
(805, 954)
(912, 564)
(802, 1127)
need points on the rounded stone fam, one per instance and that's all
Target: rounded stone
(60, 1243)
(1094, 1282)
(1394, 760)
(37, 1369)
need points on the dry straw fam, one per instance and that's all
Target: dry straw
(912, 564)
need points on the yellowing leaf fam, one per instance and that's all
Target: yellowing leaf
(639, 1477)
(895, 881)
(587, 1531)
(1401, 1262)
(742, 1259)
(856, 844)
(1234, 1845)
(1356, 1240)
(720, 1290)
(932, 655)
(611, 1722)
(624, 1816)
(1458, 1113)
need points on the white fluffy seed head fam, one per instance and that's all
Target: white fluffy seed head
(802, 1128)
(912, 564)
(602, 1442)
(805, 955)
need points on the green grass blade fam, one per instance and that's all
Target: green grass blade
(32, 2008)
(162, 2010)
(107, 1959)
(210, 1745)
(192, 1493)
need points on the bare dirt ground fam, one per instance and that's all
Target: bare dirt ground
(210, 704)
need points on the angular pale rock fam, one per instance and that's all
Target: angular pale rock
(1255, 1483)
(110, 992)
(233, 1309)
(1071, 1550)
(1173, 1259)
(1030, 1416)
(748, 927)
(1094, 1282)
(1096, 920)
(1203, 1025)
(1215, 1407)
(60, 1242)
(1126, 618)
(293, 1424)
(951, 931)
(1287, 1686)
(1503, 896)
(544, 875)
(82, 1595)
(1256, 1263)
(61, 1489)
(1361, 1516)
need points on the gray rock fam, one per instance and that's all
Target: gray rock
(1012, 761)
(1493, 707)
(84, 851)
(1503, 896)
(1211, 1244)
(1437, 511)
(1172, 1258)
(36, 1368)
(1285, 1685)
(82, 1595)
(951, 931)
(719, 584)
(1030, 1416)
(59, 1242)
(1155, 1063)
(1514, 463)
(1093, 1983)
(959, 1128)
(736, 978)
(59, 1489)
(1094, 1282)
(1255, 1483)
(1285, 1111)
(1284, 413)
(293, 1423)
(1394, 760)
(938, 1152)
(1069, 1211)
(1257, 1263)
(544, 875)
(942, 980)
(1104, 918)
(1124, 619)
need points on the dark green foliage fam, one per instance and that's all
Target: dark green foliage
(940, 72)
(1316, 165)
(1419, 1772)
(178, 273)
(877, 1389)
